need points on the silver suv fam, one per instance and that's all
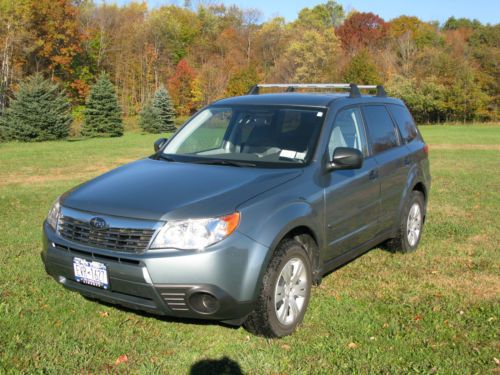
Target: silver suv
(249, 204)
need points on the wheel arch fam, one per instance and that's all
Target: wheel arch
(415, 182)
(297, 219)
(309, 240)
(419, 186)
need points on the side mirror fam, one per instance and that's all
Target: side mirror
(346, 158)
(159, 143)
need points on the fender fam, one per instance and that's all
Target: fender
(414, 177)
(297, 214)
(269, 231)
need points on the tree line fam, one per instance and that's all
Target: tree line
(197, 54)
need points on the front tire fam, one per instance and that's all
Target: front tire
(410, 226)
(285, 293)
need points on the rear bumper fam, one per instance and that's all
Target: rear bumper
(167, 282)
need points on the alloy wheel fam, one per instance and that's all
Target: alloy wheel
(290, 291)
(414, 224)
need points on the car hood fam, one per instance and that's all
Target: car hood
(160, 190)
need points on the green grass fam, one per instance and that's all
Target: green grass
(434, 311)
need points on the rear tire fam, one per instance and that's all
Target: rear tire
(285, 292)
(410, 226)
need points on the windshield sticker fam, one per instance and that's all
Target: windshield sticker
(319, 114)
(300, 155)
(288, 154)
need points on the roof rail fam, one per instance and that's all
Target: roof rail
(290, 87)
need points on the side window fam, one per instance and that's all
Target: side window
(381, 129)
(348, 131)
(404, 121)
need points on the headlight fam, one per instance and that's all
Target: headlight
(195, 234)
(53, 215)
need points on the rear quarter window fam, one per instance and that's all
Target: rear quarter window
(382, 133)
(405, 122)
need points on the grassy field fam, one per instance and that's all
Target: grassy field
(434, 311)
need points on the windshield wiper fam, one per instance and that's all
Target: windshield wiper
(166, 158)
(231, 163)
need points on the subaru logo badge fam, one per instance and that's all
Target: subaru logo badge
(98, 223)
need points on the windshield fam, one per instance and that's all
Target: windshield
(254, 136)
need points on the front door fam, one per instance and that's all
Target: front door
(352, 197)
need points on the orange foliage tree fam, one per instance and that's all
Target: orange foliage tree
(181, 87)
(361, 30)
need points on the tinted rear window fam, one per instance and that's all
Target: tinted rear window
(404, 121)
(381, 129)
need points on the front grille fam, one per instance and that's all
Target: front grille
(96, 256)
(119, 239)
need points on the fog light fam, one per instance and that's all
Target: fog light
(204, 303)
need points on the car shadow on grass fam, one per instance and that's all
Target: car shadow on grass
(224, 365)
(168, 319)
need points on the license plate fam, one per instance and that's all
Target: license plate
(91, 273)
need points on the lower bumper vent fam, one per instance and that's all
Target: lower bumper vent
(175, 298)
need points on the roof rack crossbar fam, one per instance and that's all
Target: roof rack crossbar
(290, 87)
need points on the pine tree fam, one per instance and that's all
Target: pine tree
(102, 112)
(163, 103)
(150, 119)
(40, 111)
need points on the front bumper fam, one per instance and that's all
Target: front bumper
(167, 282)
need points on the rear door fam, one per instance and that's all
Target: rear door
(352, 203)
(392, 158)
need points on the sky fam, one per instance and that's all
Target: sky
(486, 11)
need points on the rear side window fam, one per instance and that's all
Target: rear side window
(404, 121)
(381, 129)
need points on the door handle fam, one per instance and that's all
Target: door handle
(373, 174)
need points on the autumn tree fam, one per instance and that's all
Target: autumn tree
(453, 23)
(13, 40)
(465, 98)
(421, 33)
(362, 70)
(322, 16)
(424, 97)
(40, 111)
(272, 43)
(485, 48)
(210, 82)
(55, 38)
(174, 30)
(409, 36)
(312, 56)
(102, 112)
(241, 82)
(361, 30)
(181, 86)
